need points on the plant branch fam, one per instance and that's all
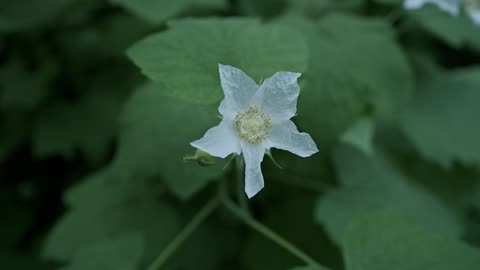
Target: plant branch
(262, 229)
(198, 219)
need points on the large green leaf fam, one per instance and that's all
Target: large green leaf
(185, 58)
(442, 120)
(83, 227)
(156, 135)
(386, 241)
(370, 185)
(103, 206)
(122, 253)
(343, 83)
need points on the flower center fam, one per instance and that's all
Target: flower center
(253, 125)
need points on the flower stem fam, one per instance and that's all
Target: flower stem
(198, 219)
(240, 175)
(264, 230)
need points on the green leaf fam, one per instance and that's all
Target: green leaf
(104, 189)
(442, 120)
(369, 185)
(105, 206)
(386, 241)
(185, 58)
(158, 11)
(156, 135)
(82, 228)
(360, 135)
(456, 31)
(27, 14)
(339, 88)
(122, 253)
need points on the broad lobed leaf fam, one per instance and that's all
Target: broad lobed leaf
(184, 59)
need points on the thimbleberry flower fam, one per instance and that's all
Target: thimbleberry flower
(450, 6)
(472, 8)
(256, 119)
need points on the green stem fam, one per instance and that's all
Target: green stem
(240, 171)
(198, 219)
(264, 230)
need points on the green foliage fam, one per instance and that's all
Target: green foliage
(83, 228)
(123, 253)
(155, 136)
(260, 250)
(24, 90)
(386, 241)
(369, 185)
(456, 31)
(339, 87)
(156, 12)
(97, 170)
(446, 100)
(27, 14)
(185, 58)
(88, 126)
(360, 135)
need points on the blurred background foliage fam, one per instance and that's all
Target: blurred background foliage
(91, 149)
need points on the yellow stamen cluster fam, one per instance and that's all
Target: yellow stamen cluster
(253, 125)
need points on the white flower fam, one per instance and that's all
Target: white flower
(255, 119)
(472, 8)
(450, 6)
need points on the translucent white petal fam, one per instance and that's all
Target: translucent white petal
(286, 136)
(277, 96)
(238, 89)
(219, 141)
(253, 156)
(450, 6)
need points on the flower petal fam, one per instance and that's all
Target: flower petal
(219, 141)
(253, 156)
(474, 13)
(238, 89)
(286, 136)
(450, 6)
(277, 96)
